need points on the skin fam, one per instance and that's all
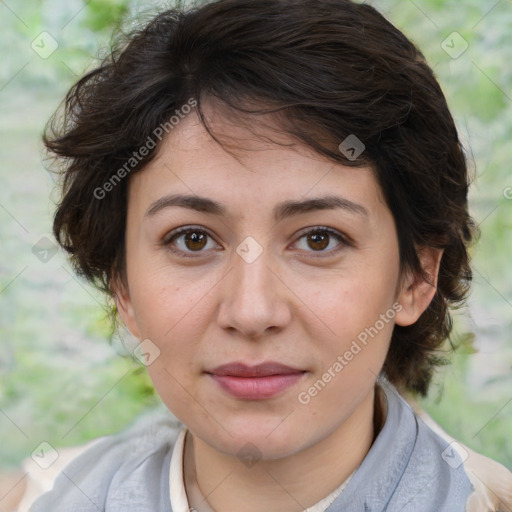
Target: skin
(290, 305)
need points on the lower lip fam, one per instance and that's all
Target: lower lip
(256, 388)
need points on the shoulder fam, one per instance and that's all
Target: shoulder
(414, 465)
(118, 469)
(491, 482)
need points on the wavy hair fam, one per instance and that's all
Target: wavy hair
(327, 69)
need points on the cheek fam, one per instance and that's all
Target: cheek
(357, 312)
(178, 390)
(351, 354)
(349, 303)
(173, 316)
(175, 371)
(165, 303)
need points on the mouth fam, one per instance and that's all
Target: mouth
(257, 382)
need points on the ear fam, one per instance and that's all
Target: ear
(415, 293)
(124, 306)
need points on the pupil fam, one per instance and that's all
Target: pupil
(194, 239)
(320, 239)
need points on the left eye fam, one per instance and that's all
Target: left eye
(319, 239)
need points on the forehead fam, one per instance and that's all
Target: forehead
(257, 165)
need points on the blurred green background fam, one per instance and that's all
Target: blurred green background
(61, 381)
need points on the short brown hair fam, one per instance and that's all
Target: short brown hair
(331, 67)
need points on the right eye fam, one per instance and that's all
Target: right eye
(187, 240)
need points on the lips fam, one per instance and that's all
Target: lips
(260, 370)
(257, 382)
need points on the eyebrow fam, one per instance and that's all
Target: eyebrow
(281, 211)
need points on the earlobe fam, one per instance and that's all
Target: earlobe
(417, 293)
(124, 306)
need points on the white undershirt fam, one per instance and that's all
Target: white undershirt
(178, 496)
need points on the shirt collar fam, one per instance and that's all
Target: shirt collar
(177, 479)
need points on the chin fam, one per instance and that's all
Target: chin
(255, 442)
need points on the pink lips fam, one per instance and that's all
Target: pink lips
(255, 382)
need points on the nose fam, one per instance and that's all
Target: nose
(255, 300)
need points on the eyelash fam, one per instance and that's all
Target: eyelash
(343, 239)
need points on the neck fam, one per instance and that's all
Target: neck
(290, 484)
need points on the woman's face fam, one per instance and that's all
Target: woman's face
(285, 258)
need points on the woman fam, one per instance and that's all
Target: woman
(275, 195)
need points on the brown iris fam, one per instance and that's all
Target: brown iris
(319, 239)
(195, 240)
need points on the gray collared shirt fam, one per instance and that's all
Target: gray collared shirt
(408, 468)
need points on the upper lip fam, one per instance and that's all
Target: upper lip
(239, 369)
